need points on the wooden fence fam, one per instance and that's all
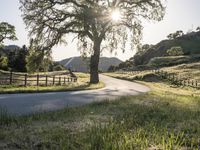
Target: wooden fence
(177, 80)
(12, 78)
(173, 78)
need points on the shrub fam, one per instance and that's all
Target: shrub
(175, 51)
(3, 63)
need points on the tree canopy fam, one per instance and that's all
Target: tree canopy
(7, 31)
(198, 29)
(175, 35)
(98, 24)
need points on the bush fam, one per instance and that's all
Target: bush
(4, 63)
(175, 51)
(169, 61)
(58, 68)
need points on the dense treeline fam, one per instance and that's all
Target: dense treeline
(23, 59)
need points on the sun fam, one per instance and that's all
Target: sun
(116, 15)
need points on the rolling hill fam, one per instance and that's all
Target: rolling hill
(190, 44)
(4, 51)
(82, 65)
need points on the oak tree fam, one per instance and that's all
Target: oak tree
(7, 31)
(98, 24)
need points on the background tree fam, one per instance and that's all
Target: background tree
(17, 59)
(175, 35)
(7, 31)
(143, 49)
(3, 63)
(198, 29)
(37, 60)
(175, 51)
(112, 68)
(98, 24)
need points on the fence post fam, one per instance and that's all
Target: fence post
(59, 80)
(53, 80)
(64, 80)
(184, 83)
(173, 78)
(38, 79)
(166, 74)
(25, 80)
(46, 80)
(11, 77)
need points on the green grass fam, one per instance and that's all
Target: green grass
(81, 84)
(167, 118)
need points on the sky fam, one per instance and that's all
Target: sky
(180, 15)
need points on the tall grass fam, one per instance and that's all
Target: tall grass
(142, 122)
(5, 117)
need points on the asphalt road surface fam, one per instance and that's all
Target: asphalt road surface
(22, 104)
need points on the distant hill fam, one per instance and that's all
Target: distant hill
(190, 44)
(6, 49)
(78, 64)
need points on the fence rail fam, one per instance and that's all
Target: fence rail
(36, 80)
(172, 77)
(177, 80)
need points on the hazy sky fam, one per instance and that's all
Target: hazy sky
(180, 15)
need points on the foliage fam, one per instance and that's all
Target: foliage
(136, 60)
(189, 44)
(58, 67)
(198, 28)
(169, 61)
(3, 63)
(175, 51)
(124, 65)
(37, 59)
(175, 35)
(17, 59)
(143, 49)
(112, 68)
(91, 21)
(7, 31)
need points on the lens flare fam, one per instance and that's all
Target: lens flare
(116, 15)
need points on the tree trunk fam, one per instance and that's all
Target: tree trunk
(94, 63)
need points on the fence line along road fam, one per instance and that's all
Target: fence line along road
(173, 78)
(177, 80)
(20, 79)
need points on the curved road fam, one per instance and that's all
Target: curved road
(21, 104)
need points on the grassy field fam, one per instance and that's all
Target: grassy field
(190, 71)
(166, 118)
(186, 71)
(81, 84)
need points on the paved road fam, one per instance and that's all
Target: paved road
(20, 104)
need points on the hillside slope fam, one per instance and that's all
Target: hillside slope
(81, 65)
(190, 44)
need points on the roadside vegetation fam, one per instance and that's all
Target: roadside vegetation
(185, 71)
(166, 118)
